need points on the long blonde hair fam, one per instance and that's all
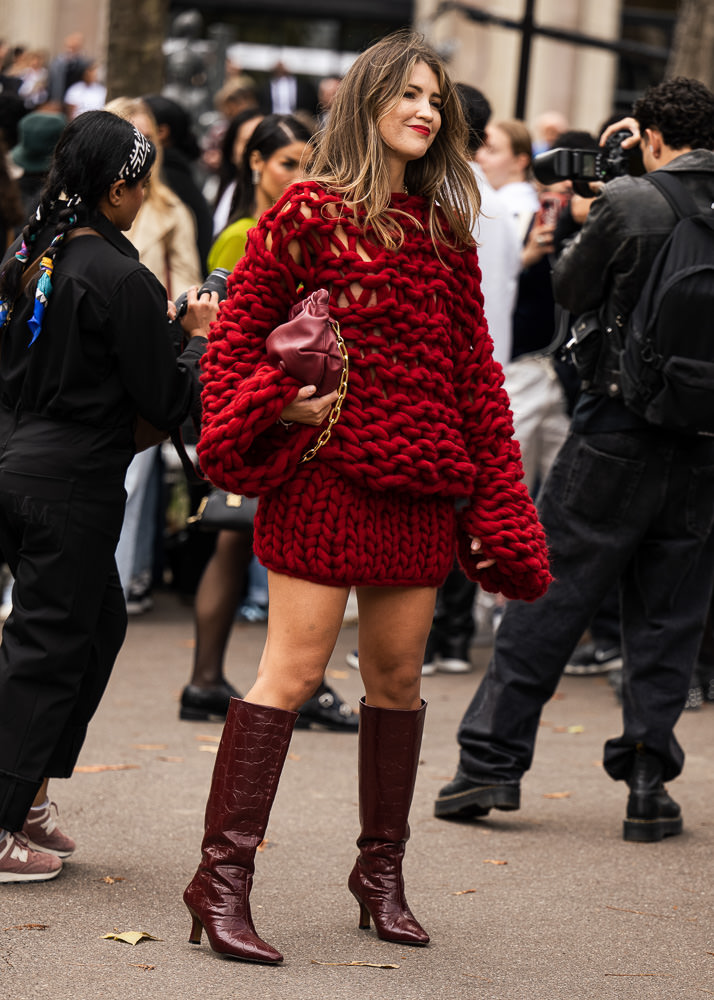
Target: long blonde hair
(349, 155)
(128, 108)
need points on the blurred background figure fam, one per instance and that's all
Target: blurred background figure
(286, 93)
(180, 153)
(164, 233)
(12, 214)
(237, 134)
(37, 133)
(87, 94)
(66, 69)
(548, 126)
(326, 90)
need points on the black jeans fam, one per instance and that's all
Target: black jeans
(638, 507)
(60, 517)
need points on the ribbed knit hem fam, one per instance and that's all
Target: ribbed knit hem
(323, 528)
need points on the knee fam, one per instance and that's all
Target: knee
(396, 686)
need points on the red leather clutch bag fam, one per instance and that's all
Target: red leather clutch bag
(306, 346)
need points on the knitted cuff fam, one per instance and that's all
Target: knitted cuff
(511, 534)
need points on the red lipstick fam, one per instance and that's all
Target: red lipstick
(421, 129)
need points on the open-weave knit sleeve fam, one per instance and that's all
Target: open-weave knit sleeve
(243, 449)
(500, 513)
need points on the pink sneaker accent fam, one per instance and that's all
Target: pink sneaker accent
(19, 863)
(44, 835)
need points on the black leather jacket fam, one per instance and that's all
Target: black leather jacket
(607, 264)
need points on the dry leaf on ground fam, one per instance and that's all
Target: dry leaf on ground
(556, 795)
(337, 675)
(369, 965)
(138, 965)
(493, 861)
(150, 746)
(294, 756)
(203, 738)
(130, 937)
(463, 892)
(96, 768)
(27, 927)
(208, 748)
(170, 760)
(111, 879)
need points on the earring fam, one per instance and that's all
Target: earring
(256, 177)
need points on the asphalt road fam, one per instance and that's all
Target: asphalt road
(541, 904)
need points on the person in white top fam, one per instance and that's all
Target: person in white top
(86, 95)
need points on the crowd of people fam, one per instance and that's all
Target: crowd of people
(469, 458)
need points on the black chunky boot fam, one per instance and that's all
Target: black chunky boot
(651, 813)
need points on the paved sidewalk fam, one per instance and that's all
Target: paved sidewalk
(541, 904)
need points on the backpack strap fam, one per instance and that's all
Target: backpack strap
(676, 193)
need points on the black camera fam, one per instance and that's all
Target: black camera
(586, 165)
(215, 282)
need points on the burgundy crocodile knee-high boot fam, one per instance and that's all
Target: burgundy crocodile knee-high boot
(389, 743)
(245, 779)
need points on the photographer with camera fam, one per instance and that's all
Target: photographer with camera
(627, 499)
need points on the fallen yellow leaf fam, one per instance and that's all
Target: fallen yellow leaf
(556, 795)
(493, 861)
(294, 756)
(130, 937)
(111, 879)
(208, 748)
(464, 892)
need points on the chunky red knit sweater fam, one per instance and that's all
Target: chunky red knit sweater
(425, 412)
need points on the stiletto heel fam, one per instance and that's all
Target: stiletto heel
(196, 928)
(364, 918)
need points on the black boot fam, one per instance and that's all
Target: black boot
(651, 813)
(462, 799)
(204, 704)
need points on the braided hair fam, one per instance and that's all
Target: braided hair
(94, 151)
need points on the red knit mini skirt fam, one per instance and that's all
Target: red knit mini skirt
(319, 526)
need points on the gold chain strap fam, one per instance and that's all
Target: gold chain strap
(337, 408)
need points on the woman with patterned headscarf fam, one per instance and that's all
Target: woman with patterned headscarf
(86, 352)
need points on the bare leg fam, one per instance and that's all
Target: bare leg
(394, 624)
(41, 793)
(304, 620)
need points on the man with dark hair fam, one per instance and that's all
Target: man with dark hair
(625, 500)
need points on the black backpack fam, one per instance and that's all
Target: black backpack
(667, 354)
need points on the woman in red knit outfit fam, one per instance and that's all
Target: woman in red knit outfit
(421, 463)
